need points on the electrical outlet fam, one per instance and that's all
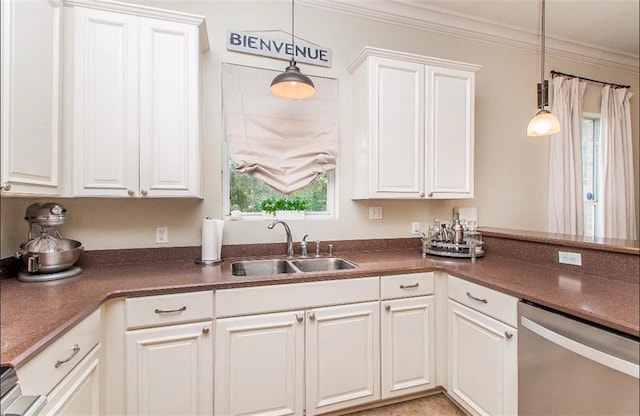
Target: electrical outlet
(566, 257)
(162, 235)
(375, 213)
(415, 228)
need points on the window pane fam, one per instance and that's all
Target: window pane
(590, 171)
(246, 192)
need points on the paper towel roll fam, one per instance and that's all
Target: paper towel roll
(212, 239)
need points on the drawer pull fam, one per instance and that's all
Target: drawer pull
(312, 316)
(75, 350)
(299, 317)
(475, 298)
(205, 330)
(508, 334)
(387, 307)
(180, 309)
(409, 286)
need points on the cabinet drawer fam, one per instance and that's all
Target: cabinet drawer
(405, 285)
(258, 299)
(40, 375)
(168, 309)
(496, 304)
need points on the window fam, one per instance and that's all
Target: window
(590, 170)
(245, 193)
(276, 147)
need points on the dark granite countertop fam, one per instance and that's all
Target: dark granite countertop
(35, 314)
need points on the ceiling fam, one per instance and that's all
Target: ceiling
(600, 31)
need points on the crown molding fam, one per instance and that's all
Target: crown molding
(420, 16)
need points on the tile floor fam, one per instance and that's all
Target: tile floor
(435, 405)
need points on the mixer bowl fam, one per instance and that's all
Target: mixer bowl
(51, 262)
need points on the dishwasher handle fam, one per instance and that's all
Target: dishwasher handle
(586, 351)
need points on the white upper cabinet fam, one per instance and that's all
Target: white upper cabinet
(136, 102)
(31, 56)
(413, 126)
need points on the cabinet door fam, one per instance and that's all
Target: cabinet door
(79, 392)
(105, 103)
(169, 109)
(343, 362)
(31, 55)
(170, 370)
(396, 132)
(482, 362)
(449, 131)
(407, 338)
(260, 365)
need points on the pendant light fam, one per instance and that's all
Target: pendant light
(292, 83)
(544, 123)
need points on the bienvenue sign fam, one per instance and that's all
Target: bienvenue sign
(255, 44)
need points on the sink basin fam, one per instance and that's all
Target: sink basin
(257, 267)
(323, 264)
(278, 266)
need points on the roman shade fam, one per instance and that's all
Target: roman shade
(285, 143)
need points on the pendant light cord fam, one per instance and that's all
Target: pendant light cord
(293, 42)
(542, 92)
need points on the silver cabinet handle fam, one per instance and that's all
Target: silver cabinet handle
(6, 186)
(475, 298)
(387, 307)
(130, 192)
(409, 286)
(180, 309)
(312, 316)
(508, 334)
(299, 317)
(421, 194)
(205, 330)
(430, 194)
(74, 351)
(144, 192)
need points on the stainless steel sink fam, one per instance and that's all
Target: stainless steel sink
(278, 266)
(258, 267)
(323, 264)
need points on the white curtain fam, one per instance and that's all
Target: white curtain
(565, 209)
(285, 143)
(616, 207)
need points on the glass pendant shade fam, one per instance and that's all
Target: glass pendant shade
(544, 123)
(292, 84)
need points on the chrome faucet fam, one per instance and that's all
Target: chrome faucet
(288, 231)
(303, 246)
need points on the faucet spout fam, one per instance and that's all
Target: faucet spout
(288, 231)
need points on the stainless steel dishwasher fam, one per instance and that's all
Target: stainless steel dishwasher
(569, 367)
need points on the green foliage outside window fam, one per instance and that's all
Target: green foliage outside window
(246, 193)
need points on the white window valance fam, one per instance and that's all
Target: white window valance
(285, 143)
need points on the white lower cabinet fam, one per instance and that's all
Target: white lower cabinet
(79, 393)
(407, 339)
(407, 334)
(67, 371)
(309, 359)
(261, 361)
(169, 370)
(342, 357)
(482, 349)
(260, 364)
(169, 354)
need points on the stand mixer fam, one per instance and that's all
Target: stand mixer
(47, 255)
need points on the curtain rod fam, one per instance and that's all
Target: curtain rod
(554, 73)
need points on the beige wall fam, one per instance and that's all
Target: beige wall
(510, 168)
